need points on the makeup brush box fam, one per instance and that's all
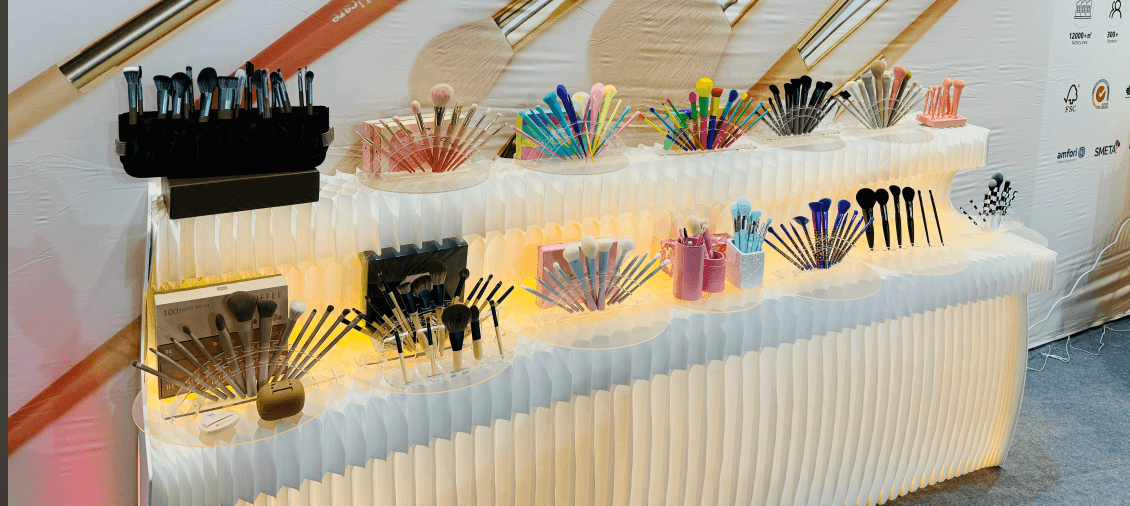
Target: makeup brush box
(249, 144)
(406, 264)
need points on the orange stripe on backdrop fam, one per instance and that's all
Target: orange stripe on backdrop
(791, 64)
(72, 387)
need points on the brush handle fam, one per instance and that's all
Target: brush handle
(352, 325)
(937, 222)
(222, 392)
(170, 379)
(886, 225)
(249, 377)
(898, 223)
(265, 347)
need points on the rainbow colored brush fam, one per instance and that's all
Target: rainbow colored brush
(581, 126)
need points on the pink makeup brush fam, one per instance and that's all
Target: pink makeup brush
(945, 102)
(958, 85)
(897, 75)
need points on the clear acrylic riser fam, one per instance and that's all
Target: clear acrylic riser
(730, 300)
(411, 167)
(607, 162)
(825, 137)
(636, 320)
(189, 419)
(920, 259)
(380, 369)
(903, 132)
(850, 279)
(872, 111)
(730, 142)
(974, 237)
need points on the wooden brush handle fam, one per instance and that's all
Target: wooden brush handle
(39, 99)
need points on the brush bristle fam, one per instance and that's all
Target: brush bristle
(716, 92)
(415, 107)
(877, 67)
(456, 317)
(163, 83)
(899, 72)
(185, 329)
(703, 86)
(297, 308)
(605, 244)
(957, 82)
(589, 246)
(266, 308)
(229, 83)
(572, 253)
(207, 80)
(438, 272)
(475, 313)
(882, 197)
(221, 323)
(908, 193)
(181, 82)
(441, 94)
(625, 246)
(422, 283)
(947, 82)
(242, 306)
(132, 76)
(403, 288)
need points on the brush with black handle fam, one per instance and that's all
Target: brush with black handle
(304, 369)
(881, 197)
(865, 197)
(242, 307)
(925, 224)
(908, 196)
(229, 86)
(208, 82)
(896, 193)
(164, 85)
(937, 222)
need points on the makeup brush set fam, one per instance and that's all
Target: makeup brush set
(423, 320)
(454, 137)
(577, 127)
(263, 369)
(216, 136)
(880, 97)
(867, 198)
(940, 110)
(995, 205)
(708, 124)
(745, 258)
(698, 260)
(802, 108)
(827, 245)
(596, 277)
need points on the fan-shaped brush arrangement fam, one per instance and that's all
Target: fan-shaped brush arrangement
(880, 98)
(707, 124)
(802, 108)
(825, 246)
(450, 141)
(576, 127)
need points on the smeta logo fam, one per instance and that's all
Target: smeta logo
(1071, 154)
(1108, 150)
(1100, 95)
(1072, 96)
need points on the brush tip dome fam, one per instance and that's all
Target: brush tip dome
(716, 92)
(297, 308)
(703, 86)
(908, 193)
(899, 71)
(266, 307)
(415, 107)
(221, 323)
(241, 305)
(572, 253)
(441, 94)
(626, 244)
(865, 197)
(605, 244)
(957, 82)
(589, 246)
(878, 66)
(881, 196)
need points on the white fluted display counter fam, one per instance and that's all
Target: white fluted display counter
(794, 400)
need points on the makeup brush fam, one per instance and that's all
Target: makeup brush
(476, 333)
(212, 360)
(164, 85)
(240, 90)
(303, 370)
(922, 208)
(463, 273)
(636, 282)
(786, 257)
(296, 352)
(482, 305)
(229, 86)
(936, 220)
(497, 334)
(133, 85)
(266, 309)
(208, 82)
(222, 393)
(170, 379)
(181, 83)
(865, 197)
(400, 355)
(881, 197)
(474, 298)
(297, 308)
(895, 194)
(242, 305)
(441, 94)
(572, 255)
(639, 270)
(303, 364)
(455, 320)
(802, 260)
(208, 381)
(908, 196)
(229, 354)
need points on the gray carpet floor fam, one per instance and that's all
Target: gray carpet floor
(1072, 440)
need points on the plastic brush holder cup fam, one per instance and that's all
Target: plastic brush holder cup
(564, 152)
(428, 164)
(744, 270)
(688, 277)
(714, 273)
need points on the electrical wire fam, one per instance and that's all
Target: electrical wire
(1047, 354)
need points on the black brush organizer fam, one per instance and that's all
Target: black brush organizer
(249, 144)
(406, 264)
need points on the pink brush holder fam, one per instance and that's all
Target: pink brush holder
(667, 250)
(714, 273)
(687, 272)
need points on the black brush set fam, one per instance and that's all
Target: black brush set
(244, 374)
(827, 245)
(424, 319)
(995, 205)
(902, 198)
(252, 91)
(802, 108)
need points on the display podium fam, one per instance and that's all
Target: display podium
(881, 375)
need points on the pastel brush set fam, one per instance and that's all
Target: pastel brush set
(828, 242)
(902, 198)
(994, 206)
(708, 123)
(594, 276)
(576, 127)
(940, 110)
(454, 137)
(880, 98)
(423, 320)
(749, 230)
(802, 106)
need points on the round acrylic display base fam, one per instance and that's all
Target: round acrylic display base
(470, 174)
(923, 260)
(902, 133)
(381, 371)
(977, 237)
(822, 140)
(733, 148)
(850, 279)
(602, 164)
(191, 420)
(638, 319)
(730, 300)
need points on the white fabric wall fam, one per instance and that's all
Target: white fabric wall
(76, 228)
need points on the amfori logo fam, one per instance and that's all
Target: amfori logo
(1108, 150)
(1071, 155)
(1100, 96)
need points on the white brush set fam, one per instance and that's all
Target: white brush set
(596, 278)
(880, 97)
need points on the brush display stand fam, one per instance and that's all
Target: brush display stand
(972, 236)
(638, 319)
(903, 132)
(730, 300)
(610, 161)
(824, 138)
(922, 260)
(850, 279)
(184, 419)
(407, 172)
(381, 370)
